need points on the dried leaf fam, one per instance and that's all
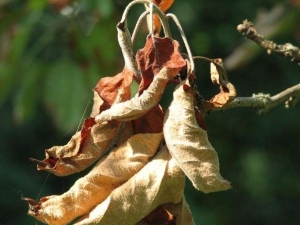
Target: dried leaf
(189, 145)
(159, 61)
(139, 105)
(109, 173)
(227, 90)
(160, 181)
(108, 88)
(87, 145)
(158, 53)
(151, 122)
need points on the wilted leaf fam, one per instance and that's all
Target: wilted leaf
(139, 105)
(87, 145)
(151, 122)
(109, 173)
(158, 53)
(189, 145)
(160, 181)
(227, 90)
(159, 61)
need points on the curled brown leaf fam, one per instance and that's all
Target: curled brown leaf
(139, 105)
(189, 145)
(89, 144)
(227, 90)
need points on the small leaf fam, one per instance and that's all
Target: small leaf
(189, 145)
(227, 90)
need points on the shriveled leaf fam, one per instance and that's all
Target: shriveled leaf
(158, 53)
(160, 181)
(189, 145)
(227, 90)
(76, 156)
(139, 105)
(108, 88)
(87, 145)
(159, 61)
(151, 122)
(89, 191)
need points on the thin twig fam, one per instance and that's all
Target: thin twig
(262, 102)
(287, 50)
(156, 9)
(187, 47)
(138, 25)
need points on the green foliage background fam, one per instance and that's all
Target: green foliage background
(50, 61)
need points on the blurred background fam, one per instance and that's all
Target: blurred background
(53, 52)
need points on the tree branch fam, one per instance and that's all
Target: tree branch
(263, 102)
(287, 50)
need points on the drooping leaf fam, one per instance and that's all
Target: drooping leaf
(158, 53)
(160, 181)
(109, 173)
(227, 90)
(159, 61)
(87, 145)
(151, 122)
(189, 145)
(139, 105)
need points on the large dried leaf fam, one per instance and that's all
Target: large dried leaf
(109, 173)
(159, 57)
(87, 145)
(189, 145)
(160, 181)
(139, 105)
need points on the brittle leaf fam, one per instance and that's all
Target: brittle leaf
(89, 144)
(158, 53)
(151, 122)
(139, 105)
(109, 173)
(227, 90)
(159, 61)
(189, 145)
(160, 181)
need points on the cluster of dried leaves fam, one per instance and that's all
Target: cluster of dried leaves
(141, 179)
